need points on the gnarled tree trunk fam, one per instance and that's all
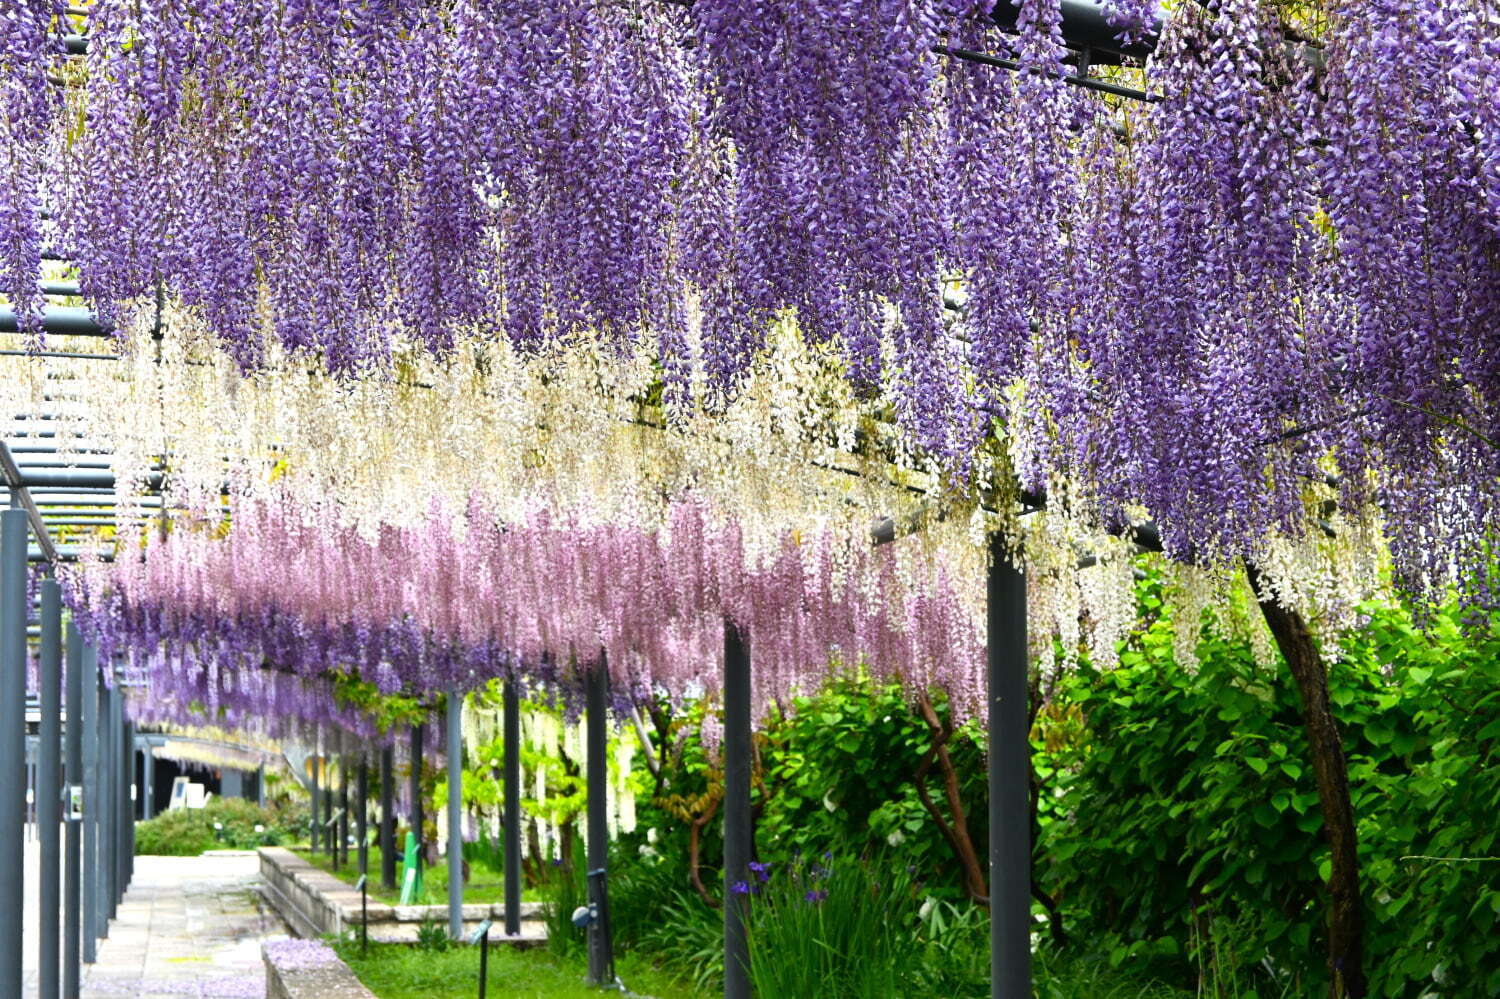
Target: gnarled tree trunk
(1331, 772)
(955, 827)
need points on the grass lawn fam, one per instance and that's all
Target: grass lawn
(485, 884)
(396, 971)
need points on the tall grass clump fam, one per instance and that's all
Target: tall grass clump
(837, 926)
(564, 890)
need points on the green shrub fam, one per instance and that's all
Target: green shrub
(181, 833)
(1188, 830)
(223, 823)
(838, 771)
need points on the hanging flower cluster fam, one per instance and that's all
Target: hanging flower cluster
(466, 598)
(192, 687)
(1285, 267)
(578, 431)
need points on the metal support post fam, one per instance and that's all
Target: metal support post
(89, 683)
(738, 838)
(362, 815)
(387, 818)
(455, 815)
(1009, 778)
(417, 731)
(112, 757)
(127, 796)
(13, 597)
(73, 841)
(49, 786)
(103, 837)
(260, 785)
(600, 948)
(330, 801)
(512, 810)
(148, 782)
(315, 829)
(343, 822)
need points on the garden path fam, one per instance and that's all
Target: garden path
(189, 928)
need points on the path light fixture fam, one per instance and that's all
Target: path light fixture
(481, 936)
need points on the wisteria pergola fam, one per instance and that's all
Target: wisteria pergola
(1194, 278)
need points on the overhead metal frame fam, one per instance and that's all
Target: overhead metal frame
(1087, 30)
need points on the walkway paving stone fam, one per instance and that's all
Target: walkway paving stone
(189, 928)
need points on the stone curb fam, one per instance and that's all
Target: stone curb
(314, 903)
(312, 974)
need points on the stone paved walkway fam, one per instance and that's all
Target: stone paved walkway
(190, 928)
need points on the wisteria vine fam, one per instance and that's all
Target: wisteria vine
(1284, 271)
(465, 598)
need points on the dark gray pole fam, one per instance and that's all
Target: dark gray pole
(343, 823)
(362, 815)
(1009, 778)
(260, 785)
(455, 815)
(127, 795)
(601, 955)
(73, 843)
(313, 784)
(330, 799)
(13, 528)
(104, 835)
(417, 731)
(89, 684)
(512, 810)
(738, 839)
(148, 782)
(49, 785)
(116, 795)
(387, 818)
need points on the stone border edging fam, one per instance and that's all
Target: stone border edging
(308, 969)
(315, 903)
